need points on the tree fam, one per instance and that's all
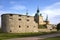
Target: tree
(58, 26)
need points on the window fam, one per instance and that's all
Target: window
(27, 16)
(19, 19)
(10, 18)
(19, 26)
(27, 26)
(34, 19)
(27, 19)
(34, 26)
(11, 14)
(50, 29)
(19, 15)
(10, 31)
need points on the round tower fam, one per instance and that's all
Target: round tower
(9, 23)
(5, 23)
(36, 17)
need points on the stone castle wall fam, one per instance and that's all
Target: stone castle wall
(14, 23)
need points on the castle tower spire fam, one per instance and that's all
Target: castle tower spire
(38, 10)
(47, 18)
(27, 12)
(47, 22)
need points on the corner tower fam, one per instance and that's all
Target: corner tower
(36, 17)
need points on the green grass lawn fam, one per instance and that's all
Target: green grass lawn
(19, 35)
(4, 36)
(54, 38)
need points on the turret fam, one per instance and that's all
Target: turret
(47, 22)
(47, 18)
(39, 17)
(26, 12)
(37, 12)
(36, 17)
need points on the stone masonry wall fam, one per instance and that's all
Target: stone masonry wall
(14, 23)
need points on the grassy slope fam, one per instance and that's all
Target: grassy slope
(54, 38)
(15, 35)
(19, 35)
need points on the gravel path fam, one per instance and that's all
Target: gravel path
(37, 37)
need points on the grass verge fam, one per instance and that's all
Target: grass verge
(19, 35)
(54, 38)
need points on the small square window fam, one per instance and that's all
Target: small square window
(27, 26)
(11, 14)
(10, 31)
(19, 19)
(19, 15)
(10, 18)
(27, 19)
(27, 16)
(34, 26)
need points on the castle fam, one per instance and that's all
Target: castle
(17, 23)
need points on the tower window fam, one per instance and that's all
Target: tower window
(34, 26)
(27, 16)
(11, 14)
(19, 26)
(10, 31)
(27, 19)
(19, 19)
(10, 18)
(27, 26)
(19, 15)
(34, 19)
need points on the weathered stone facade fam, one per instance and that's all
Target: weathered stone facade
(16, 23)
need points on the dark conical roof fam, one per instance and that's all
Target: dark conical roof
(40, 14)
(37, 13)
(38, 10)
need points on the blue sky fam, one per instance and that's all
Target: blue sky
(47, 7)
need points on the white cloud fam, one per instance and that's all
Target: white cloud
(18, 7)
(3, 12)
(52, 10)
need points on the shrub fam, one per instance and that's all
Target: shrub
(58, 27)
(42, 26)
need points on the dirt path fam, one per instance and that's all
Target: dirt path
(37, 37)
